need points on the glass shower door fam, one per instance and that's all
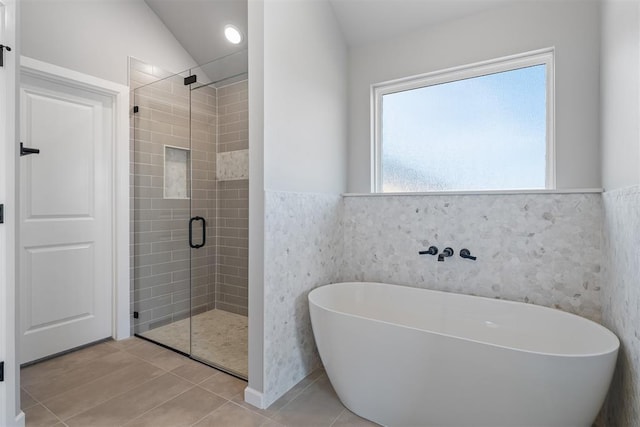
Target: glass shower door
(203, 123)
(190, 211)
(162, 161)
(219, 139)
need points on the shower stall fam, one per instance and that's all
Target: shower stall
(189, 166)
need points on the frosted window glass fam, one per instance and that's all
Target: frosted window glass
(176, 173)
(481, 133)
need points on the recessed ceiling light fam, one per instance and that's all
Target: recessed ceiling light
(232, 34)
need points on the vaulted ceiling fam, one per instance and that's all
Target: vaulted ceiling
(198, 24)
(368, 21)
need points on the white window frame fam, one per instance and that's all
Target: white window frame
(508, 63)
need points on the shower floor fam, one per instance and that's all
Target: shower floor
(218, 337)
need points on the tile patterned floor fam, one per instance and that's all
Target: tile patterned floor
(217, 336)
(136, 383)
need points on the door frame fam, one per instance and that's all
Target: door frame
(119, 199)
(10, 413)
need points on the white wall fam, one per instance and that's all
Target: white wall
(305, 98)
(620, 117)
(620, 94)
(297, 144)
(572, 27)
(255, 16)
(95, 37)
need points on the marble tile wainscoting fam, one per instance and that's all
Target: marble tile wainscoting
(621, 301)
(542, 248)
(536, 248)
(303, 238)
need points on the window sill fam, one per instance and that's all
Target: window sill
(480, 192)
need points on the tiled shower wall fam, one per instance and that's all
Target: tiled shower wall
(621, 301)
(160, 246)
(233, 199)
(160, 250)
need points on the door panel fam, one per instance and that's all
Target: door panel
(65, 217)
(68, 163)
(70, 267)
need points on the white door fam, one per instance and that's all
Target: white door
(66, 196)
(10, 414)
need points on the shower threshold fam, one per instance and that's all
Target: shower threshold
(216, 338)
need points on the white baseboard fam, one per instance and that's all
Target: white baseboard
(254, 398)
(20, 420)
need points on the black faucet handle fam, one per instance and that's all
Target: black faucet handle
(447, 252)
(465, 253)
(431, 251)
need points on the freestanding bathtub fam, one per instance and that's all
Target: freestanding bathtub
(402, 356)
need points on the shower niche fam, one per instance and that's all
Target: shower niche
(189, 218)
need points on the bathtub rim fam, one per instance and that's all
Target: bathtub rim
(505, 301)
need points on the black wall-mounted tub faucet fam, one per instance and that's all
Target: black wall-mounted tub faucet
(447, 252)
(465, 253)
(431, 251)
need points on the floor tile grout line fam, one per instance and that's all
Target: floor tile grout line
(196, 383)
(160, 404)
(191, 382)
(267, 418)
(209, 413)
(113, 342)
(72, 388)
(160, 350)
(90, 382)
(272, 416)
(164, 371)
(151, 363)
(231, 402)
(52, 413)
(125, 349)
(59, 358)
(246, 409)
(115, 396)
(300, 393)
(338, 417)
(33, 398)
(42, 402)
(217, 394)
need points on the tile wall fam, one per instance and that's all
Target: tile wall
(160, 247)
(233, 199)
(621, 301)
(536, 248)
(303, 237)
(204, 201)
(160, 250)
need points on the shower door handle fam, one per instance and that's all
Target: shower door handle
(204, 232)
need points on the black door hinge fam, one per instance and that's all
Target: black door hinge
(1, 372)
(135, 315)
(1, 214)
(2, 49)
(189, 80)
(136, 109)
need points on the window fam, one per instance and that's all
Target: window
(486, 126)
